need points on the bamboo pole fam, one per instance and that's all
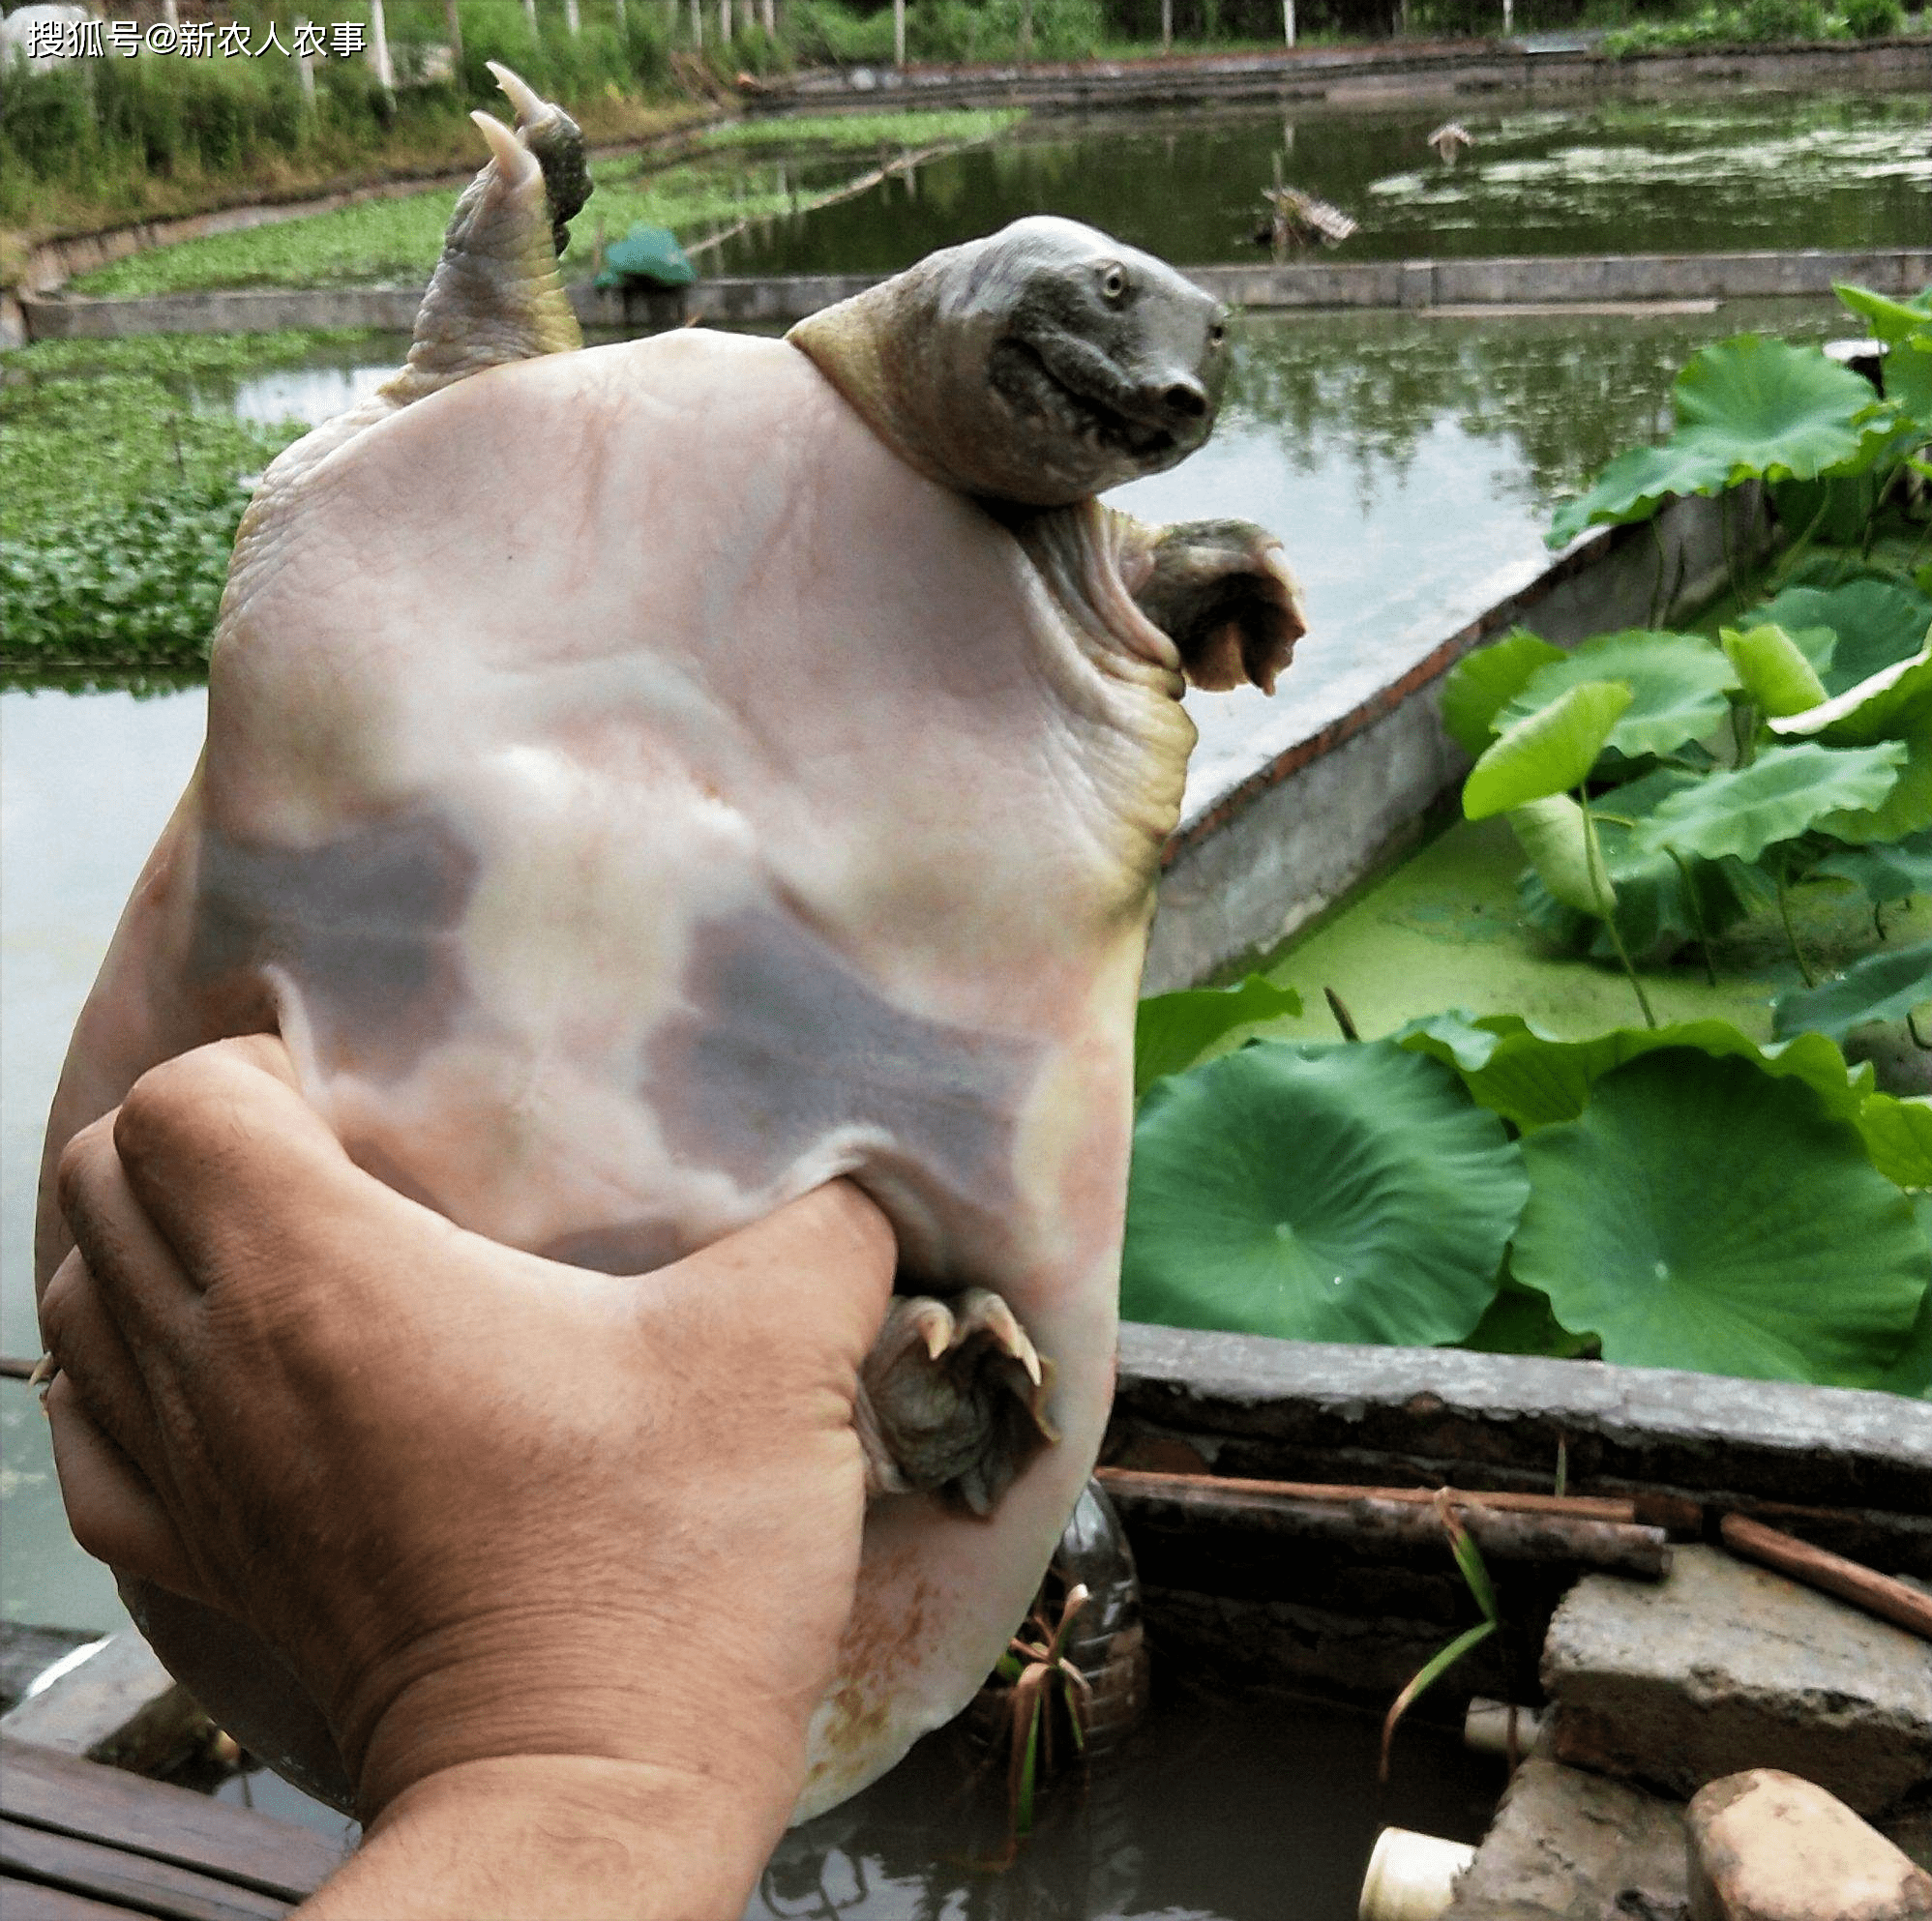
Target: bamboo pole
(1131, 1481)
(1402, 1525)
(1850, 1580)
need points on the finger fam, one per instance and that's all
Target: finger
(91, 1352)
(821, 1266)
(228, 1161)
(112, 1506)
(144, 1288)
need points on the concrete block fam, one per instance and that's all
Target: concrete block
(1567, 1846)
(1768, 1846)
(1725, 1667)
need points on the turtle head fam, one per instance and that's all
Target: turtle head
(1038, 366)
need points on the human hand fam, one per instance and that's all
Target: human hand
(482, 1504)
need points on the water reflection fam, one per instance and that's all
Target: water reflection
(1731, 171)
(1216, 1811)
(86, 783)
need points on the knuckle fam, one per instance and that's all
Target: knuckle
(81, 1163)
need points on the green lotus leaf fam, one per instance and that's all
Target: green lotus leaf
(1905, 811)
(1893, 871)
(1748, 408)
(1457, 1037)
(1893, 704)
(1888, 319)
(1348, 1193)
(1554, 749)
(1551, 831)
(1898, 1136)
(1631, 488)
(1877, 622)
(1519, 1320)
(1677, 684)
(1476, 688)
(1701, 1214)
(1911, 1370)
(1662, 906)
(1174, 1030)
(1773, 670)
(1908, 386)
(1886, 985)
(1742, 811)
(1534, 1080)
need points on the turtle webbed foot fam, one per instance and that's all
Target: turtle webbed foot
(952, 1398)
(1221, 590)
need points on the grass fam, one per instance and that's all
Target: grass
(118, 502)
(398, 240)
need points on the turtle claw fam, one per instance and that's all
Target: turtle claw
(556, 143)
(952, 1398)
(1222, 591)
(531, 105)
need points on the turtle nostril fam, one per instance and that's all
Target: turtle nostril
(1184, 400)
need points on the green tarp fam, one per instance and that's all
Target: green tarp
(646, 256)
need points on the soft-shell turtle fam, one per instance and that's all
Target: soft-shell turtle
(645, 783)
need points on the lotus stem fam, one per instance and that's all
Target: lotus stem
(1730, 558)
(1344, 1020)
(1789, 931)
(1691, 895)
(1790, 553)
(1657, 608)
(1606, 910)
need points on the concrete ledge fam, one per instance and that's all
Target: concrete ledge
(1327, 798)
(1418, 285)
(1853, 1465)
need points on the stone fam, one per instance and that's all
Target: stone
(1567, 1846)
(1766, 1845)
(1726, 1666)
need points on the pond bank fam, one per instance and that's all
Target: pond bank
(1361, 73)
(1418, 285)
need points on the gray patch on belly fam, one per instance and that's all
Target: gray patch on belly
(786, 1043)
(365, 927)
(637, 1247)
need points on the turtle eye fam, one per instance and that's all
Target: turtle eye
(1114, 282)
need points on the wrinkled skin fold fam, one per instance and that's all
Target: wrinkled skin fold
(645, 783)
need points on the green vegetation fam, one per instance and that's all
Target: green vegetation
(397, 240)
(118, 502)
(1755, 20)
(1679, 1193)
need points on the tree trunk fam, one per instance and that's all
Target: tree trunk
(698, 23)
(1166, 26)
(724, 24)
(531, 16)
(1287, 21)
(456, 33)
(1026, 29)
(899, 33)
(572, 18)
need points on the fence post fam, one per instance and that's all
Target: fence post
(378, 47)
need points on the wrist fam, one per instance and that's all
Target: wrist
(693, 1721)
(563, 1837)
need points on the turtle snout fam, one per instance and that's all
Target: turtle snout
(1182, 402)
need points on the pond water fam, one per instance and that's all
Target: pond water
(1719, 172)
(1406, 462)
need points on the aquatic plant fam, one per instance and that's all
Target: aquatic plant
(1663, 1196)
(1666, 785)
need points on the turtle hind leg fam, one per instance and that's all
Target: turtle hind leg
(952, 1398)
(496, 295)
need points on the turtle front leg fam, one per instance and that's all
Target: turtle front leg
(496, 295)
(1221, 590)
(952, 1398)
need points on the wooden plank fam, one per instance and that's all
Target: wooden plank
(64, 1795)
(119, 1706)
(154, 1887)
(35, 1901)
